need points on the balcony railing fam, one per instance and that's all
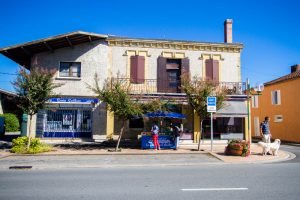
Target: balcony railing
(148, 86)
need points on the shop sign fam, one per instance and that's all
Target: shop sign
(211, 104)
(73, 100)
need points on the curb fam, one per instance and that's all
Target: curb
(288, 156)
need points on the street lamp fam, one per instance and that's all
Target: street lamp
(252, 92)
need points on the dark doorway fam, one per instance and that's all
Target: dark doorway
(173, 67)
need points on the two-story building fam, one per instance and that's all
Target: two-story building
(152, 67)
(279, 101)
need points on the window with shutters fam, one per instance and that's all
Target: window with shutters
(212, 70)
(137, 69)
(254, 101)
(256, 126)
(276, 97)
(70, 69)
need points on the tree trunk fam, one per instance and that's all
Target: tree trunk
(29, 133)
(120, 135)
(199, 142)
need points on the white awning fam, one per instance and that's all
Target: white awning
(233, 109)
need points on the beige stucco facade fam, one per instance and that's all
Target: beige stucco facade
(111, 58)
(230, 70)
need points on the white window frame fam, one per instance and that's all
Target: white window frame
(256, 126)
(278, 118)
(278, 97)
(69, 77)
(254, 100)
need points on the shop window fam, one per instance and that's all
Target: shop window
(70, 69)
(136, 123)
(67, 123)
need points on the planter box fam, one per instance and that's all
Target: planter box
(235, 152)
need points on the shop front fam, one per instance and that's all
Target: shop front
(164, 120)
(66, 118)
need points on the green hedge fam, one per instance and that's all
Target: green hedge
(11, 122)
(36, 146)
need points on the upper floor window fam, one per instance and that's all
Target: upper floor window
(212, 70)
(254, 101)
(276, 97)
(137, 69)
(70, 69)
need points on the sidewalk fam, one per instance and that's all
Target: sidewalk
(218, 152)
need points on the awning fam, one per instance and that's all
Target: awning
(233, 108)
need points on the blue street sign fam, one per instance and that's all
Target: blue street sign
(211, 104)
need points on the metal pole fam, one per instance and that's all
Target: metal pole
(211, 132)
(248, 111)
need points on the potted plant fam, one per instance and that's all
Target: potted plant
(238, 148)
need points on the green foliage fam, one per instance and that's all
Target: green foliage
(11, 122)
(19, 145)
(116, 96)
(34, 89)
(154, 105)
(197, 92)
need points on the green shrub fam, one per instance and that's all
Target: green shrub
(36, 146)
(11, 122)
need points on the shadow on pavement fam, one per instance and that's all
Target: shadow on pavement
(128, 144)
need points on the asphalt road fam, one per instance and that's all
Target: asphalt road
(293, 148)
(207, 179)
(254, 181)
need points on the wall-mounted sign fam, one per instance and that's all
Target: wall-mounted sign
(73, 100)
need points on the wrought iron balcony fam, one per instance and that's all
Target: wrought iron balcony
(151, 86)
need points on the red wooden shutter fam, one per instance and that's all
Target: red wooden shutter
(215, 71)
(161, 74)
(133, 69)
(209, 69)
(137, 69)
(185, 69)
(185, 66)
(141, 69)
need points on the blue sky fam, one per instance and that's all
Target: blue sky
(269, 30)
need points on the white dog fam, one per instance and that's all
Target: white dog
(274, 146)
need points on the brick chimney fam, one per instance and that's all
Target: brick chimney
(295, 68)
(228, 31)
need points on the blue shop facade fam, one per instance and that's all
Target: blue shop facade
(66, 118)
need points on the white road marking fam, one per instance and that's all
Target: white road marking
(213, 189)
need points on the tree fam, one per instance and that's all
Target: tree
(197, 92)
(34, 88)
(125, 106)
(117, 98)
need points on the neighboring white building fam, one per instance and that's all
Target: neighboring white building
(152, 66)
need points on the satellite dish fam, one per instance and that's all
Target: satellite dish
(259, 88)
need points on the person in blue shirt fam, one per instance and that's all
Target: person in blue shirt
(265, 130)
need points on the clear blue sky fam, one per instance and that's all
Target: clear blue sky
(269, 30)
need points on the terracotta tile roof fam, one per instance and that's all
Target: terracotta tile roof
(290, 76)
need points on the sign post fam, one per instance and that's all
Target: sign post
(211, 107)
